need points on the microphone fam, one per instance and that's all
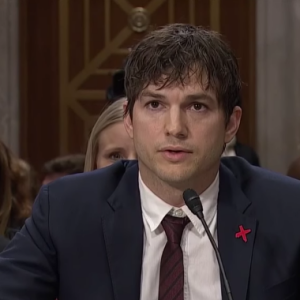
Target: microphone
(193, 202)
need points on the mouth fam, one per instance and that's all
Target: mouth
(175, 150)
(175, 155)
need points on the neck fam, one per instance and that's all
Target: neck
(171, 192)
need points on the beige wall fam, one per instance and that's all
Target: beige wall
(278, 82)
(9, 78)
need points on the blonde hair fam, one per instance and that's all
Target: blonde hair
(111, 115)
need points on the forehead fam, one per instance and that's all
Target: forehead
(113, 134)
(112, 130)
(193, 86)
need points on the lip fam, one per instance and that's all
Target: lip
(175, 154)
(175, 149)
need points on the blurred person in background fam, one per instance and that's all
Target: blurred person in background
(116, 90)
(15, 192)
(294, 169)
(32, 183)
(62, 166)
(109, 141)
(235, 148)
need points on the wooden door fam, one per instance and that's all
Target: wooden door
(71, 48)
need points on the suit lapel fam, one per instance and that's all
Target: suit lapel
(123, 234)
(234, 210)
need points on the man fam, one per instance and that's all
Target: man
(123, 232)
(62, 166)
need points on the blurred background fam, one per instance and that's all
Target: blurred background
(61, 63)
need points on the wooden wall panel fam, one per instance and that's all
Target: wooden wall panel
(237, 24)
(39, 130)
(71, 48)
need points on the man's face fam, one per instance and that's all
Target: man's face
(179, 133)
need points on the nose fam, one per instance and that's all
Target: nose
(176, 123)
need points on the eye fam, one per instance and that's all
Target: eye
(153, 104)
(115, 156)
(198, 106)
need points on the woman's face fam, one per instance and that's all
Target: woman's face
(114, 144)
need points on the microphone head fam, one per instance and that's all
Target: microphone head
(192, 201)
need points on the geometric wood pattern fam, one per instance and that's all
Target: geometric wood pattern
(71, 48)
(94, 40)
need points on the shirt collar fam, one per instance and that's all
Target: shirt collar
(154, 209)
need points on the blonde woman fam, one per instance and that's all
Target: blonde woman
(109, 140)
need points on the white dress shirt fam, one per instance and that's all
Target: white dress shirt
(201, 271)
(229, 150)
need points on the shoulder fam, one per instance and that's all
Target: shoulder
(261, 181)
(99, 184)
(273, 196)
(3, 243)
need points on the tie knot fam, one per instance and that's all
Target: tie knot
(174, 227)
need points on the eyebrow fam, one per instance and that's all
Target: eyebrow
(191, 97)
(199, 96)
(152, 95)
(113, 148)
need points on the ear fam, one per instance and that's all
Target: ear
(233, 124)
(128, 121)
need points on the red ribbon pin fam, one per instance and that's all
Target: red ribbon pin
(242, 233)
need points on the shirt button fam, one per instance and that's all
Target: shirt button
(179, 213)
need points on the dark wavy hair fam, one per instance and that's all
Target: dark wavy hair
(69, 164)
(176, 53)
(15, 190)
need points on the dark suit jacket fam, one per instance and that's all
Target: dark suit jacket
(247, 153)
(85, 237)
(3, 243)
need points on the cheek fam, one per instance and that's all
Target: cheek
(214, 127)
(98, 162)
(210, 136)
(139, 131)
(101, 162)
(215, 141)
(143, 129)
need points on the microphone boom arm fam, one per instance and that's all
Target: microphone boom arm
(226, 283)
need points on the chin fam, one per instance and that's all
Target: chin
(173, 176)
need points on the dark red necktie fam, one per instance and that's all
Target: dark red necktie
(171, 279)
